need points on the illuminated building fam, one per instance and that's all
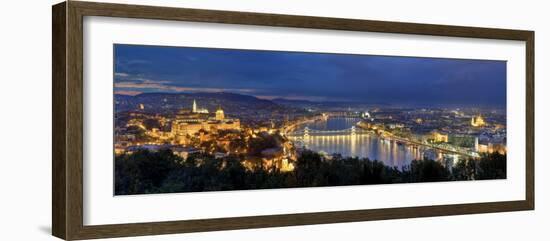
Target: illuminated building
(439, 137)
(191, 125)
(492, 147)
(365, 125)
(219, 114)
(497, 147)
(482, 148)
(477, 121)
(196, 109)
(286, 166)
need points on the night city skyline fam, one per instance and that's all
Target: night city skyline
(322, 77)
(203, 119)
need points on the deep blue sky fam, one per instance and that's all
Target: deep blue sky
(310, 76)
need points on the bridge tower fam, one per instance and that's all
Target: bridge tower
(306, 132)
(353, 131)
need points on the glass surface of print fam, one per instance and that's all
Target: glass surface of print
(205, 119)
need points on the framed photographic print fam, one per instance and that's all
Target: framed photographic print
(170, 120)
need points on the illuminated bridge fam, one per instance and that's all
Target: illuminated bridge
(306, 132)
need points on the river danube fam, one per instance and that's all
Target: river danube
(360, 145)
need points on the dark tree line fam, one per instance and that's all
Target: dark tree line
(163, 172)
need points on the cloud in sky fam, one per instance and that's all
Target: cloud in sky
(127, 92)
(311, 76)
(131, 85)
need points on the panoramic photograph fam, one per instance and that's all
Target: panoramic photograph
(189, 119)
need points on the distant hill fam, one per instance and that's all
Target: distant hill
(230, 102)
(293, 102)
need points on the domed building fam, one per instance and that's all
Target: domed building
(477, 121)
(199, 119)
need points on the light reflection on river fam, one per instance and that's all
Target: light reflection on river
(363, 145)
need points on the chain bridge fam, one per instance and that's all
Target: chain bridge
(306, 132)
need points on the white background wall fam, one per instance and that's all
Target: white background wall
(25, 119)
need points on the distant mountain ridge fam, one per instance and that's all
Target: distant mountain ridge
(210, 101)
(291, 101)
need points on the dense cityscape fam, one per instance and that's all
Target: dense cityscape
(273, 135)
(199, 119)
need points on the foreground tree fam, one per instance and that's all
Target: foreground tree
(428, 171)
(163, 172)
(143, 171)
(491, 166)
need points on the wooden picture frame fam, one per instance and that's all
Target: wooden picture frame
(67, 152)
